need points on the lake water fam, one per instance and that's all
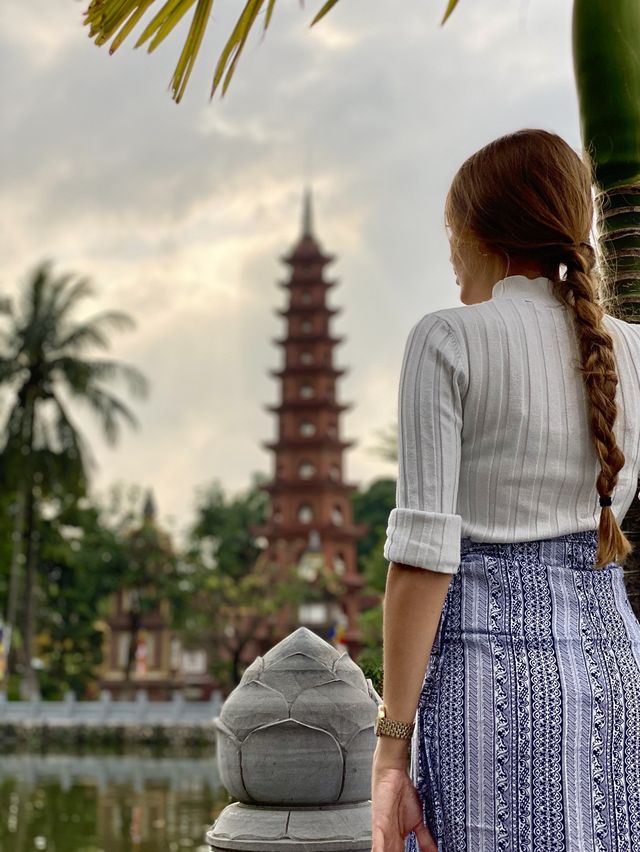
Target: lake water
(110, 803)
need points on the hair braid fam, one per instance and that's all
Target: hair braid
(577, 290)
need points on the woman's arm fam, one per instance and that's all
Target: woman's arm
(424, 529)
(413, 602)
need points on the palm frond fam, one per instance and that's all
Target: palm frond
(81, 375)
(267, 17)
(90, 332)
(83, 288)
(109, 410)
(6, 307)
(328, 6)
(236, 42)
(191, 47)
(451, 5)
(70, 439)
(164, 22)
(116, 19)
(10, 368)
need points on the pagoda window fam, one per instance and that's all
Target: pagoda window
(306, 358)
(306, 470)
(336, 515)
(306, 326)
(307, 428)
(305, 297)
(339, 564)
(334, 472)
(277, 514)
(332, 430)
(306, 391)
(313, 613)
(305, 513)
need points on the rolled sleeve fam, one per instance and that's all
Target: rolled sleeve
(424, 528)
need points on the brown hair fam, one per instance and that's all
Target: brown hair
(543, 211)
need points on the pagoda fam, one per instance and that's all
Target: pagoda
(157, 665)
(310, 514)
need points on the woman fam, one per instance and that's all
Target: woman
(511, 653)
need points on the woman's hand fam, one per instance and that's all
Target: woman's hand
(396, 810)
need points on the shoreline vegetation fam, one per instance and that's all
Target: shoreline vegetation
(39, 735)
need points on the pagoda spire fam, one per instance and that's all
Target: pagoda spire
(149, 510)
(307, 219)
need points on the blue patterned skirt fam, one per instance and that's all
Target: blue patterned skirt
(527, 734)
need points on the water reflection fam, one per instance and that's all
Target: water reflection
(91, 803)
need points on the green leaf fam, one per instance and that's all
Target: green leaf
(270, 8)
(117, 18)
(323, 11)
(236, 41)
(190, 50)
(130, 24)
(450, 7)
(164, 22)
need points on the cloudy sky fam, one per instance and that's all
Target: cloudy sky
(179, 213)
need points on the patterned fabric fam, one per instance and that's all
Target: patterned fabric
(527, 734)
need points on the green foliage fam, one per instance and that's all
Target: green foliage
(451, 5)
(117, 18)
(82, 563)
(221, 534)
(372, 507)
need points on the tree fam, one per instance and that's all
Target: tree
(222, 528)
(372, 507)
(43, 365)
(151, 579)
(227, 614)
(82, 561)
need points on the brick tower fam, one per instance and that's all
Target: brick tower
(309, 508)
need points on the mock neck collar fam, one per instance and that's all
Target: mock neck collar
(538, 289)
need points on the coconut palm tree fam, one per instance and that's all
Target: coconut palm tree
(43, 368)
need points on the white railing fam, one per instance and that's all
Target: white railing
(105, 711)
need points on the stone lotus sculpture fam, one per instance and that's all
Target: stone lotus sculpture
(295, 745)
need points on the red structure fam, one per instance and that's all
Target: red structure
(310, 510)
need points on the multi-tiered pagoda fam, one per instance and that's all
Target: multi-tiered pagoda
(310, 508)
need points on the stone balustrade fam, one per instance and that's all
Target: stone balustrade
(294, 746)
(106, 712)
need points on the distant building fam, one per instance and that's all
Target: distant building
(158, 664)
(310, 514)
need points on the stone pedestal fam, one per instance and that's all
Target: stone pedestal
(295, 743)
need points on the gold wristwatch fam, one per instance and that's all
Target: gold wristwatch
(390, 727)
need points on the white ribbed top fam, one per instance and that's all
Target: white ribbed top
(494, 441)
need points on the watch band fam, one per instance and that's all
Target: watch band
(392, 727)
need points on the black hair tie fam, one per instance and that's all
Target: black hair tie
(605, 501)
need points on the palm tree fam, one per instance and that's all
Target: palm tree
(43, 365)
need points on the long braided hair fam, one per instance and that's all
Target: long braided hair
(543, 210)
